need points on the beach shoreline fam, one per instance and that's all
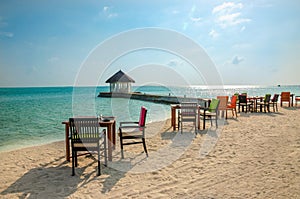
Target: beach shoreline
(256, 155)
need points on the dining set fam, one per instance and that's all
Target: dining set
(239, 102)
(194, 112)
(97, 135)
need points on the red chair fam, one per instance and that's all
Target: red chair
(133, 131)
(232, 106)
(297, 98)
(285, 97)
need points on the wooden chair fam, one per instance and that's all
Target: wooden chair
(285, 97)
(232, 106)
(134, 131)
(243, 102)
(274, 102)
(210, 113)
(188, 113)
(297, 99)
(87, 136)
(223, 105)
(265, 103)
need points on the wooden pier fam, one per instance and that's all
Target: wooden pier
(153, 98)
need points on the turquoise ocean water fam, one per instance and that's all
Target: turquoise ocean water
(33, 116)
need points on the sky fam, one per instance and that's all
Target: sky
(249, 42)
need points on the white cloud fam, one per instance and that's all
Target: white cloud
(53, 59)
(237, 60)
(109, 13)
(227, 7)
(105, 8)
(243, 28)
(175, 63)
(7, 34)
(214, 34)
(227, 14)
(194, 14)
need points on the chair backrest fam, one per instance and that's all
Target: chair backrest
(275, 98)
(267, 98)
(242, 98)
(188, 109)
(143, 114)
(214, 104)
(223, 102)
(233, 100)
(285, 96)
(84, 130)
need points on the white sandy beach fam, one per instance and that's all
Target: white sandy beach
(256, 155)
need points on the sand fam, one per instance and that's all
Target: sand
(256, 155)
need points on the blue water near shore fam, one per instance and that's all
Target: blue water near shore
(33, 116)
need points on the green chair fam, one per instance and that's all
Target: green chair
(265, 103)
(210, 113)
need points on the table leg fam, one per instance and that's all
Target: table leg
(67, 142)
(114, 135)
(109, 136)
(198, 121)
(173, 118)
(204, 120)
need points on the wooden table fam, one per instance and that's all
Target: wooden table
(174, 108)
(255, 99)
(292, 99)
(111, 135)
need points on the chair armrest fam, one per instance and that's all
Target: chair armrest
(122, 123)
(204, 108)
(130, 127)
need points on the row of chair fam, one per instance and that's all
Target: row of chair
(252, 104)
(189, 110)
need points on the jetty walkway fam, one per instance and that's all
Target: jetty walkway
(162, 99)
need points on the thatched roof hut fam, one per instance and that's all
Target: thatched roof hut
(120, 82)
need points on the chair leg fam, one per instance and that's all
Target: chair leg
(181, 125)
(145, 148)
(121, 144)
(99, 167)
(73, 162)
(75, 158)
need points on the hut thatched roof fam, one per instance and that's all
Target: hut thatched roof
(120, 76)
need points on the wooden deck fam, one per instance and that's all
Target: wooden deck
(152, 98)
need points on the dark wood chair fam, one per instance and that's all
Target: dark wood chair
(274, 102)
(244, 103)
(86, 135)
(133, 132)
